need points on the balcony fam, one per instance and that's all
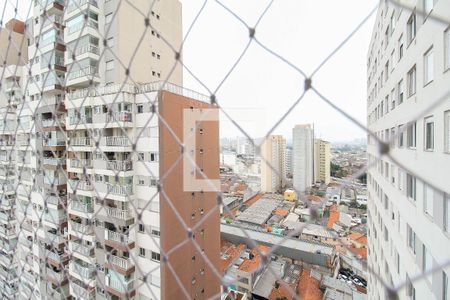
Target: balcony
(80, 121)
(82, 76)
(85, 272)
(81, 25)
(123, 287)
(57, 257)
(77, 4)
(57, 276)
(54, 142)
(8, 231)
(55, 181)
(29, 277)
(115, 141)
(5, 217)
(81, 185)
(26, 242)
(81, 228)
(120, 190)
(119, 165)
(54, 161)
(53, 123)
(120, 262)
(81, 163)
(117, 237)
(118, 213)
(82, 292)
(80, 141)
(56, 219)
(85, 250)
(57, 294)
(56, 200)
(81, 206)
(54, 238)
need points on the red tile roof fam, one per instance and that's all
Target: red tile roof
(249, 265)
(281, 212)
(231, 251)
(309, 287)
(334, 217)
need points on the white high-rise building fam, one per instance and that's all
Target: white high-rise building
(303, 157)
(273, 163)
(288, 162)
(409, 219)
(80, 133)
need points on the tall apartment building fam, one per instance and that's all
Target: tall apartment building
(322, 160)
(272, 163)
(409, 219)
(13, 54)
(303, 157)
(91, 156)
(288, 162)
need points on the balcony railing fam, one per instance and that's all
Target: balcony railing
(87, 71)
(30, 277)
(55, 181)
(56, 256)
(81, 185)
(120, 286)
(115, 141)
(119, 165)
(58, 276)
(81, 292)
(81, 228)
(121, 190)
(55, 161)
(55, 219)
(75, 4)
(7, 231)
(80, 141)
(54, 238)
(82, 249)
(81, 163)
(56, 200)
(118, 213)
(53, 123)
(73, 120)
(121, 262)
(116, 237)
(84, 272)
(121, 116)
(87, 48)
(82, 207)
(77, 27)
(54, 143)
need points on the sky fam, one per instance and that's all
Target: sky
(262, 87)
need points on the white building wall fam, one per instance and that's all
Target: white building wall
(302, 157)
(392, 212)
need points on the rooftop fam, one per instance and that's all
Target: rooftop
(309, 287)
(254, 262)
(260, 211)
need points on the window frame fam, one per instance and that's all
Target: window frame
(428, 60)
(429, 144)
(411, 77)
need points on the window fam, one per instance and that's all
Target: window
(156, 232)
(108, 18)
(427, 262)
(447, 131)
(412, 81)
(411, 27)
(411, 186)
(429, 134)
(141, 156)
(141, 227)
(400, 48)
(447, 48)
(154, 156)
(140, 109)
(411, 132)
(393, 99)
(410, 290)
(400, 92)
(445, 291)
(447, 212)
(109, 65)
(411, 235)
(428, 63)
(428, 200)
(110, 42)
(156, 256)
(142, 252)
(428, 6)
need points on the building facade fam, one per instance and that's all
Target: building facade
(409, 204)
(322, 160)
(303, 157)
(273, 164)
(85, 160)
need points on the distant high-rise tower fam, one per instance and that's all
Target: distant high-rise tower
(272, 163)
(302, 157)
(322, 155)
(288, 162)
